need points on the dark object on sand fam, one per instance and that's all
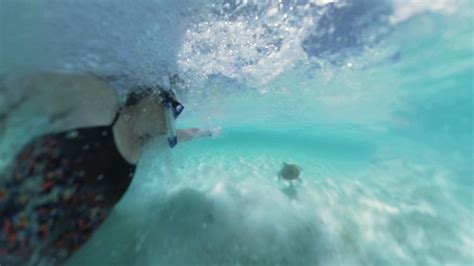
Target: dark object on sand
(290, 172)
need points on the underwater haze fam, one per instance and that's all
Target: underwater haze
(372, 98)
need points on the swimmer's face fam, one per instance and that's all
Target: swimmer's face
(147, 117)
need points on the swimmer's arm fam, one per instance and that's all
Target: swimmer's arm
(68, 100)
(193, 133)
(10, 99)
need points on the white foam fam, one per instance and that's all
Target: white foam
(406, 9)
(257, 47)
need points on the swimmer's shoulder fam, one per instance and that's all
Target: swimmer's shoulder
(75, 99)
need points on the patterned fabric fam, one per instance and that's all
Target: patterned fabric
(60, 189)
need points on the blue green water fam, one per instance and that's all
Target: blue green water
(380, 120)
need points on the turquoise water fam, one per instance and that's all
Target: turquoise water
(381, 125)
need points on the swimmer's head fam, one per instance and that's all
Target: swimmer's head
(144, 111)
(141, 118)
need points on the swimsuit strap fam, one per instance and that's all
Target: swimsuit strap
(117, 115)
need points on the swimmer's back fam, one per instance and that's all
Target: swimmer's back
(60, 189)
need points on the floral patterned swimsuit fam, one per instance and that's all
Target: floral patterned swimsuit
(60, 188)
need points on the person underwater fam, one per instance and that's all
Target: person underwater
(62, 185)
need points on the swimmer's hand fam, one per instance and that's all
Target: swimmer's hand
(192, 133)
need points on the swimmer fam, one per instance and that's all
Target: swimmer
(62, 185)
